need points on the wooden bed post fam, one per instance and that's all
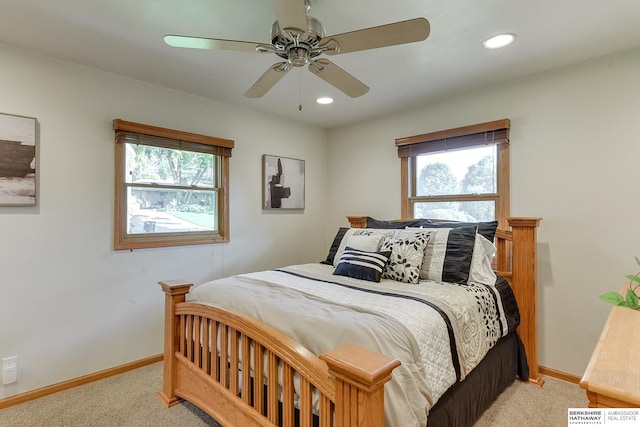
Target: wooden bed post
(360, 376)
(357, 221)
(524, 275)
(175, 292)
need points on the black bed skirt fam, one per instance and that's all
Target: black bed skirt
(464, 403)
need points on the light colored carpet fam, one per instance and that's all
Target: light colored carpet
(527, 405)
(130, 400)
(127, 399)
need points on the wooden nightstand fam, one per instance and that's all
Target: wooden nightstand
(612, 378)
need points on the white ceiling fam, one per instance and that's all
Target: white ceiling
(126, 37)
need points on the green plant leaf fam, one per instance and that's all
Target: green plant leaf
(613, 298)
(631, 300)
(633, 277)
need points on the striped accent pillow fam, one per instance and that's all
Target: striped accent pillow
(361, 264)
(448, 255)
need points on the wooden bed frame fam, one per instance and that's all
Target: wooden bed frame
(347, 381)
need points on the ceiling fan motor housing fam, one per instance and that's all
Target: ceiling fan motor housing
(298, 47)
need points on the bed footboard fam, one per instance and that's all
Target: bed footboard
(206, 347)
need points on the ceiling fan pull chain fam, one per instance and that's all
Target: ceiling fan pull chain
(300, 106)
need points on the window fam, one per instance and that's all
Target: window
(457, 174)
(172, 187)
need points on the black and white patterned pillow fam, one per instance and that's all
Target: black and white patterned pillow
(362, 265)
(407, 254)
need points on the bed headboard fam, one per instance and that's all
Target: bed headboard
(515, 260)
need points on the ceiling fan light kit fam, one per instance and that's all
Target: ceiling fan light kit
(299, 39)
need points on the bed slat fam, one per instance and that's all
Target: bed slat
(258, 389)
(215, 360)
(246, 369)
(206, 357)
(234, 337)
(224, 356)
(183, 342)
(287, 396)
(189, 344)
(306, 405)
(327, 412)
(272, 388)
(197, 350)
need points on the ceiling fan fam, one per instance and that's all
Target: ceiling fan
(300, 39)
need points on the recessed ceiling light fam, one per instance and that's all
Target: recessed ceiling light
(324, 100)
(500, 40)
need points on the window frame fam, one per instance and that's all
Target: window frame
(494, 132)
(129, 132)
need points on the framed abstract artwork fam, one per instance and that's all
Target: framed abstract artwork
(283, 182)
(18, 160)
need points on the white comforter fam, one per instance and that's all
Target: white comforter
(439, 331)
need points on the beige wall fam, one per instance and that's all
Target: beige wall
(575, 146)
(69, 304)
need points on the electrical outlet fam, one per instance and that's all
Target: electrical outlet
(9, 370)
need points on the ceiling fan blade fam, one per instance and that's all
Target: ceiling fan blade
(267, 80)
(291, 14)
(339, 78)
(206, 43)
(413, 30)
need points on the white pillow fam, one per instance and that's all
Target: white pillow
(359, 244)
(369, 243)
(481, 270)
